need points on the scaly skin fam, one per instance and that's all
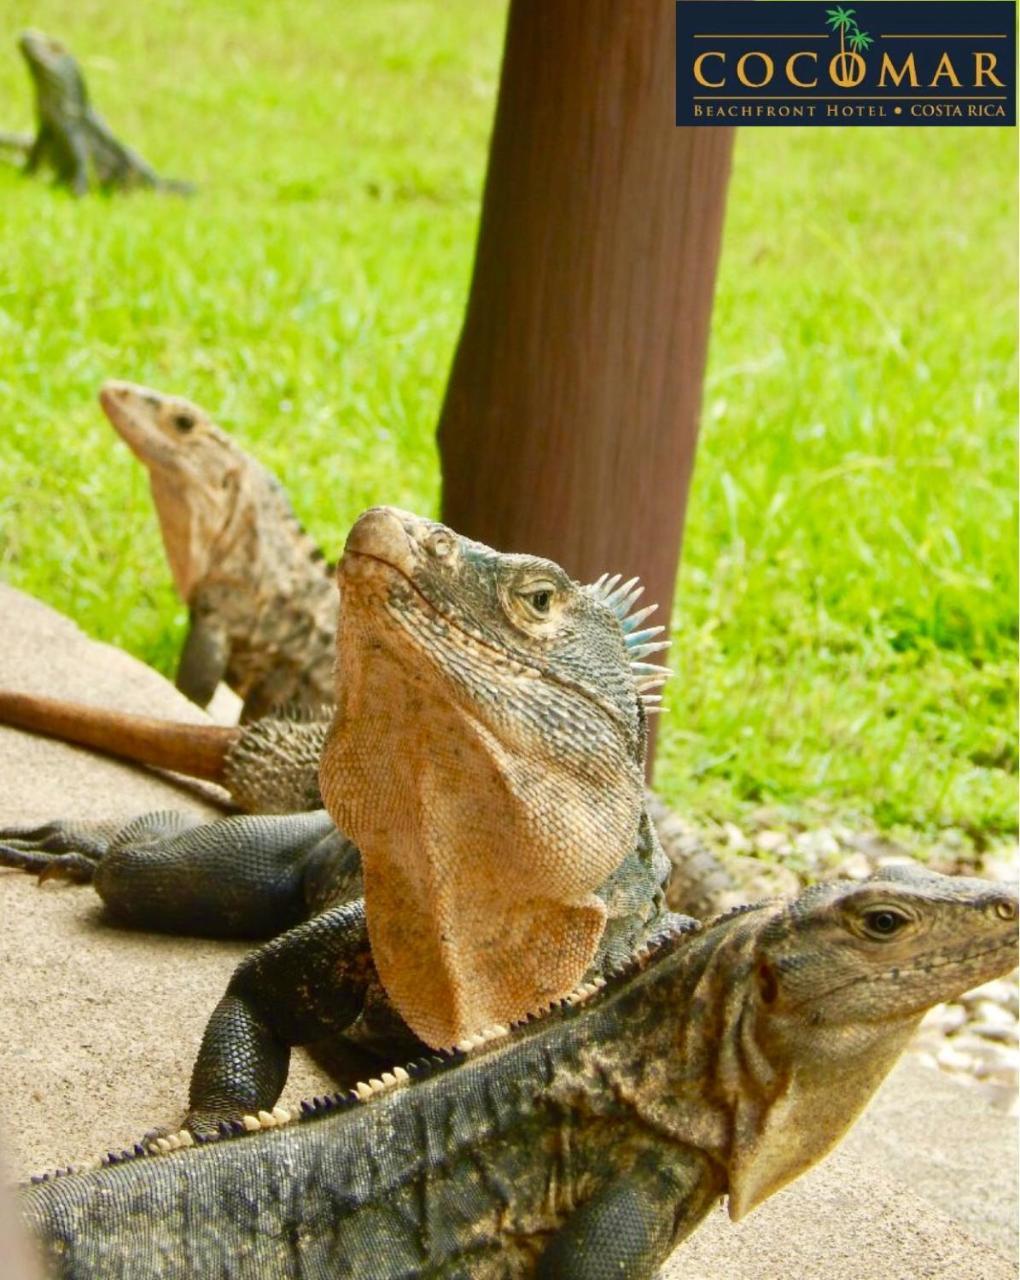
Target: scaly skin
(71, 136)
(262, 598)
(585, 1144)
(506, 774)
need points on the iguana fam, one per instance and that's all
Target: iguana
(261, 595)
(487, 758)
(582, 1145)
(71, 136)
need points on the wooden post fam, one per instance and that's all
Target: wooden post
(570, 417)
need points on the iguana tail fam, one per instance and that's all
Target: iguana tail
(198, 750)
(270, 766)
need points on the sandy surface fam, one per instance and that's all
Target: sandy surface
(99, 1027)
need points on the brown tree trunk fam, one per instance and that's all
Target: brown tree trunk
(570, 418)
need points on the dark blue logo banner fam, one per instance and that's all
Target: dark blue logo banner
(781, 62)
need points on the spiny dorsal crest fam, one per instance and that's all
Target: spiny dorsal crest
(662, 942)
(641, 642)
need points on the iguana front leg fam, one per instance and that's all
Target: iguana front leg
(77, 172)
(309, 983)
(628, 1228)
(37, 152)
(243, 877)
(204, 658)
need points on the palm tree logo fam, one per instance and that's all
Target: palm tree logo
(848, 67)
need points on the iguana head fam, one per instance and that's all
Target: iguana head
(53, 70)
(41, 50)
(834, 986)
(487, 758)
(195, 471)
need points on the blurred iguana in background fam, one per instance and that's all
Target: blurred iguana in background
(72, 138)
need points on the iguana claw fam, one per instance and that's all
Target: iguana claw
(56, 849)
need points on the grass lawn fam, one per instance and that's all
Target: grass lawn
(846, 619)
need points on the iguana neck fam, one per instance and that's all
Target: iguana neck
(715, 1079)
(466, 850)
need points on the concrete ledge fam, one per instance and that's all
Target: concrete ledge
(101, 1025)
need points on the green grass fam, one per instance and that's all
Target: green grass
(846, 618)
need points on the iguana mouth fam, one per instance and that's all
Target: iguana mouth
(920, 965)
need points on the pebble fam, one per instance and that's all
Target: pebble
(855, 866)
(817, 846)
(945, 1018)
(735, 838)
(985, 1055)
(1003, 1034)
(988, 1012)
(999, 991)
(952, 1059)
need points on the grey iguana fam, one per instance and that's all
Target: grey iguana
(487, 759)
(583, 1145)
(71, 136)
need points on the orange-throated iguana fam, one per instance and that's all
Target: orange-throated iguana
(486, 757)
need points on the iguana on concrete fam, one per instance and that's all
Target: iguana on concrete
(71, 136)
(487, 759)
(261, 595)
(582, 1145)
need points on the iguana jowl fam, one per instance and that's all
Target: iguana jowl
(262, 599)
(487, 755)
(581, 1146)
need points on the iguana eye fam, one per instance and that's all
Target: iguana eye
(884, 922)
(183, 421)
(539, 599)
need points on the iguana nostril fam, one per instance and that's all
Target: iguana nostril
(1006, 908)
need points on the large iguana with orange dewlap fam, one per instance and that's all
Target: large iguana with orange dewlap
(486, 759)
